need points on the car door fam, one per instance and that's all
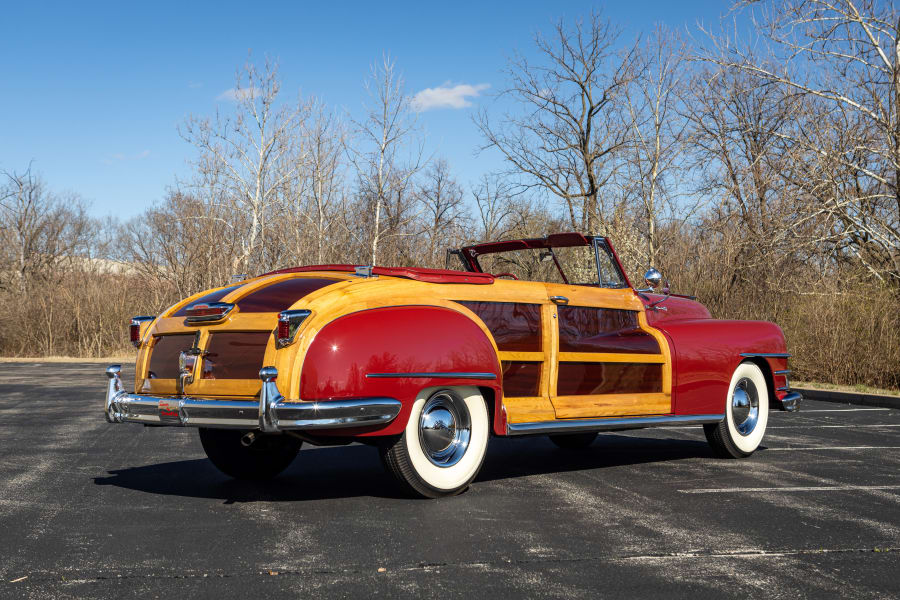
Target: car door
(606, 360)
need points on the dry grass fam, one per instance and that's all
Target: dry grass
(67, 359)
(859, 389)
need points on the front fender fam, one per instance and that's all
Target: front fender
(396, 352)
(707, 351)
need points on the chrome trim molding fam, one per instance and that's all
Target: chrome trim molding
(271, 414)
(608, 424)
(784, 388)
(765, 355)
(226, 308)
(444, 375)
(782, 372)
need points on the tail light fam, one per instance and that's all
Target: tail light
(288, 323)
(134, 330)
(207, 312)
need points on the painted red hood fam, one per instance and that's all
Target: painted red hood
(678, 308)
(429, 275)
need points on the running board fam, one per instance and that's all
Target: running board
(609, 424)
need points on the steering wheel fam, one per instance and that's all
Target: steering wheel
(506, 275)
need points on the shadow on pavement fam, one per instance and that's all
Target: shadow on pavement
(353, 471)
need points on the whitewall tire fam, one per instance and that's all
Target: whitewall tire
(444, 443)
(739, 434)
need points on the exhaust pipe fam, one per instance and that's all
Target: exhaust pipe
(248, 438)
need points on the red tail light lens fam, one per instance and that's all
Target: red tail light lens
(207, 312)
(284, 329)
(288, 323)
(134, 329)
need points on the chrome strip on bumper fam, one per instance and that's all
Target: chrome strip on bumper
(791, 401)
(608, 424)
(271, 414)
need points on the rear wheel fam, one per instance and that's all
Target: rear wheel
(443, 446)
(574, 441)
(263, 459)
(746, 414)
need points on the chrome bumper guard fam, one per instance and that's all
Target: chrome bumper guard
(791, 402)
(271, 414)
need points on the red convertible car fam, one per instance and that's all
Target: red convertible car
(541, 336)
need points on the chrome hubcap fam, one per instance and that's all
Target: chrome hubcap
(444, 428)
(745, 406)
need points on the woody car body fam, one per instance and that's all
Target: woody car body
(427, 364)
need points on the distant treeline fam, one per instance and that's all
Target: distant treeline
(762, 181)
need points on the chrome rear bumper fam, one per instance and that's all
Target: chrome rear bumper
(271, 414)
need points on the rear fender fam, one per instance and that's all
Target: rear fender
(396, 352)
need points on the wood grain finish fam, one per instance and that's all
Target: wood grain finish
(164, 355)
(611, 405)
(521, 378)
(590, 329)
(235, 354)
(515, 326)
(588, 379)
(281, 295)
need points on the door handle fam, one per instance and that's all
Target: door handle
(559, 300)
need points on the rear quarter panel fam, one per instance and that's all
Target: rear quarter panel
(397, 339)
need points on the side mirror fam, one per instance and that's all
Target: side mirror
(653, 278)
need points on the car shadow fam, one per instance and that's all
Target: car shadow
(355, 471)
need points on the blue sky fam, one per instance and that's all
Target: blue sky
(93, 92)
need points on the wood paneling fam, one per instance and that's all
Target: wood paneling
(612, 405)
(164, 355)
(515, 326)
(590, 329)
(521, 378)
(281, 295)
(588, 379)
(235, 354)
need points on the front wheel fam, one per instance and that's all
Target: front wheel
(444, 443)
(263, 459)
(746, 414)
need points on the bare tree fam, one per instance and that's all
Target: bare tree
(655, 154)
(40, 232)
(310, 202)
(493, 198)
(390, 152)
(245, 157)
(441, 198)
(571, 128)
(844, 55)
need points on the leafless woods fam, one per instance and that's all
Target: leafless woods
(755, 165)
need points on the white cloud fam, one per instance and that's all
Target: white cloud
(446, 96)
(234, 94)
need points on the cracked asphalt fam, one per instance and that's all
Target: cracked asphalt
(89, 509)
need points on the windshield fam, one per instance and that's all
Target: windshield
(575, 265)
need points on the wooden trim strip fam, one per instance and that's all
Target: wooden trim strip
(602, 357)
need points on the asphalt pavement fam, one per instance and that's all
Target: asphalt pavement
(89, 509)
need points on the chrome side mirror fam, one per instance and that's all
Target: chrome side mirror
(653, 278)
